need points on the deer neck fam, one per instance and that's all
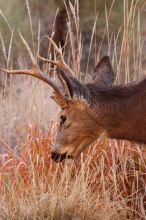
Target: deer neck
(113, 121)
(121, 117)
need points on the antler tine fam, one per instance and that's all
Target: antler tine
(59, 51)
(35, 71)
(59, 63)
(33, 60)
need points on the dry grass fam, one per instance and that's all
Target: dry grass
(108, 181)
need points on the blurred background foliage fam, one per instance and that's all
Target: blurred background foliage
(43, 11)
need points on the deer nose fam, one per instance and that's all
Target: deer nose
(57, 157)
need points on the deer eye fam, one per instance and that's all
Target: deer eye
(62, 119)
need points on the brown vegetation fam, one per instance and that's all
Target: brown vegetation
(106, 182)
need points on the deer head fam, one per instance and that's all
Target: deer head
(77, 128)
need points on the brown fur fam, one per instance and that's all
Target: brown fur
(117, 111)
(121, 110)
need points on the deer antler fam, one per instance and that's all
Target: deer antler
(36, 72)
(60, 63)
(70, 86)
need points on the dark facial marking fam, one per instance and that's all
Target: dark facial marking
(62, 119)
(58, 157)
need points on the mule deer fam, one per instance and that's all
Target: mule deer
(91, 109)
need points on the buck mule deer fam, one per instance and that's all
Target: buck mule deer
(91, 109)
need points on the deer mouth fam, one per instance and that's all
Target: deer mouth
(58, 157)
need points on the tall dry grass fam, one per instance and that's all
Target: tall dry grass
(108, 180)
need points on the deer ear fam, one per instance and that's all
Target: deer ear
(75, 91)
(103, 73)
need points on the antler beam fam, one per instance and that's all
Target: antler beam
(35, 71)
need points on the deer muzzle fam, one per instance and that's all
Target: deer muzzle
(58, 157)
